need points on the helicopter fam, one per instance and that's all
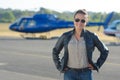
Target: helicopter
(40, 23)
(113, 29)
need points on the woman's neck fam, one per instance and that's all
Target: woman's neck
(77, 34)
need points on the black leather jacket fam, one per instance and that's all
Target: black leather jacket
(91, 41)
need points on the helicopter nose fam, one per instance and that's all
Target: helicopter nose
(13, 27)
(16, 28)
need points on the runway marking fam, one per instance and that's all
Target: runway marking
(22, 54)
(113, 63)
(11, 75)
(1, 64)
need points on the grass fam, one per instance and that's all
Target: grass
(4, 31)
(4, 27)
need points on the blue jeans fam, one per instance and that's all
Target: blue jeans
(78, 75)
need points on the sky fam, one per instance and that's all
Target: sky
(63, 5)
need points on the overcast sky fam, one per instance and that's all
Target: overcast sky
(63, 5)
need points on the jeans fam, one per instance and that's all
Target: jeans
(78, 75)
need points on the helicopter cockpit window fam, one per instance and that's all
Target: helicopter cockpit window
(18, 21)
(23, 23)
(27, 23)
(118, 26)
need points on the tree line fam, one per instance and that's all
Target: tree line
(9, 15)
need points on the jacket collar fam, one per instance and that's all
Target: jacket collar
(82, 33)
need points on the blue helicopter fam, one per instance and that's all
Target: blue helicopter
(39, 23)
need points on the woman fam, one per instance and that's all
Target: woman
(79, 44)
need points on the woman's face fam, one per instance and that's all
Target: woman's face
(80, 21)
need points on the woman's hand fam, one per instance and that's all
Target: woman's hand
(90, 67)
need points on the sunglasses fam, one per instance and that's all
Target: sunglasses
(82, 20)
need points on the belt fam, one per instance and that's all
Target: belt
(80, 70)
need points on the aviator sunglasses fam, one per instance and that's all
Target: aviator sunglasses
(82, 20)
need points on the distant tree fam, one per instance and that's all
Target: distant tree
(7, 17)
(116, 16)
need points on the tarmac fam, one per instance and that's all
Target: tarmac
(31, 59)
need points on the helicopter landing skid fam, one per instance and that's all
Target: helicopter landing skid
(28, 35)
(33, 36)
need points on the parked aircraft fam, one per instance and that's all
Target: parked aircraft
(39, 23)
(113, 29)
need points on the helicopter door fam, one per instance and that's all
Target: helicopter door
(23, 24)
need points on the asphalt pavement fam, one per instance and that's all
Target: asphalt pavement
(31, 59)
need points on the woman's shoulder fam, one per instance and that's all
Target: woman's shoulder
(90, 33)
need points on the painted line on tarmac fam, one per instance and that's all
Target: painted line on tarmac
(2, 64)
(11, 75)
(113, 63)
(22, 54)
